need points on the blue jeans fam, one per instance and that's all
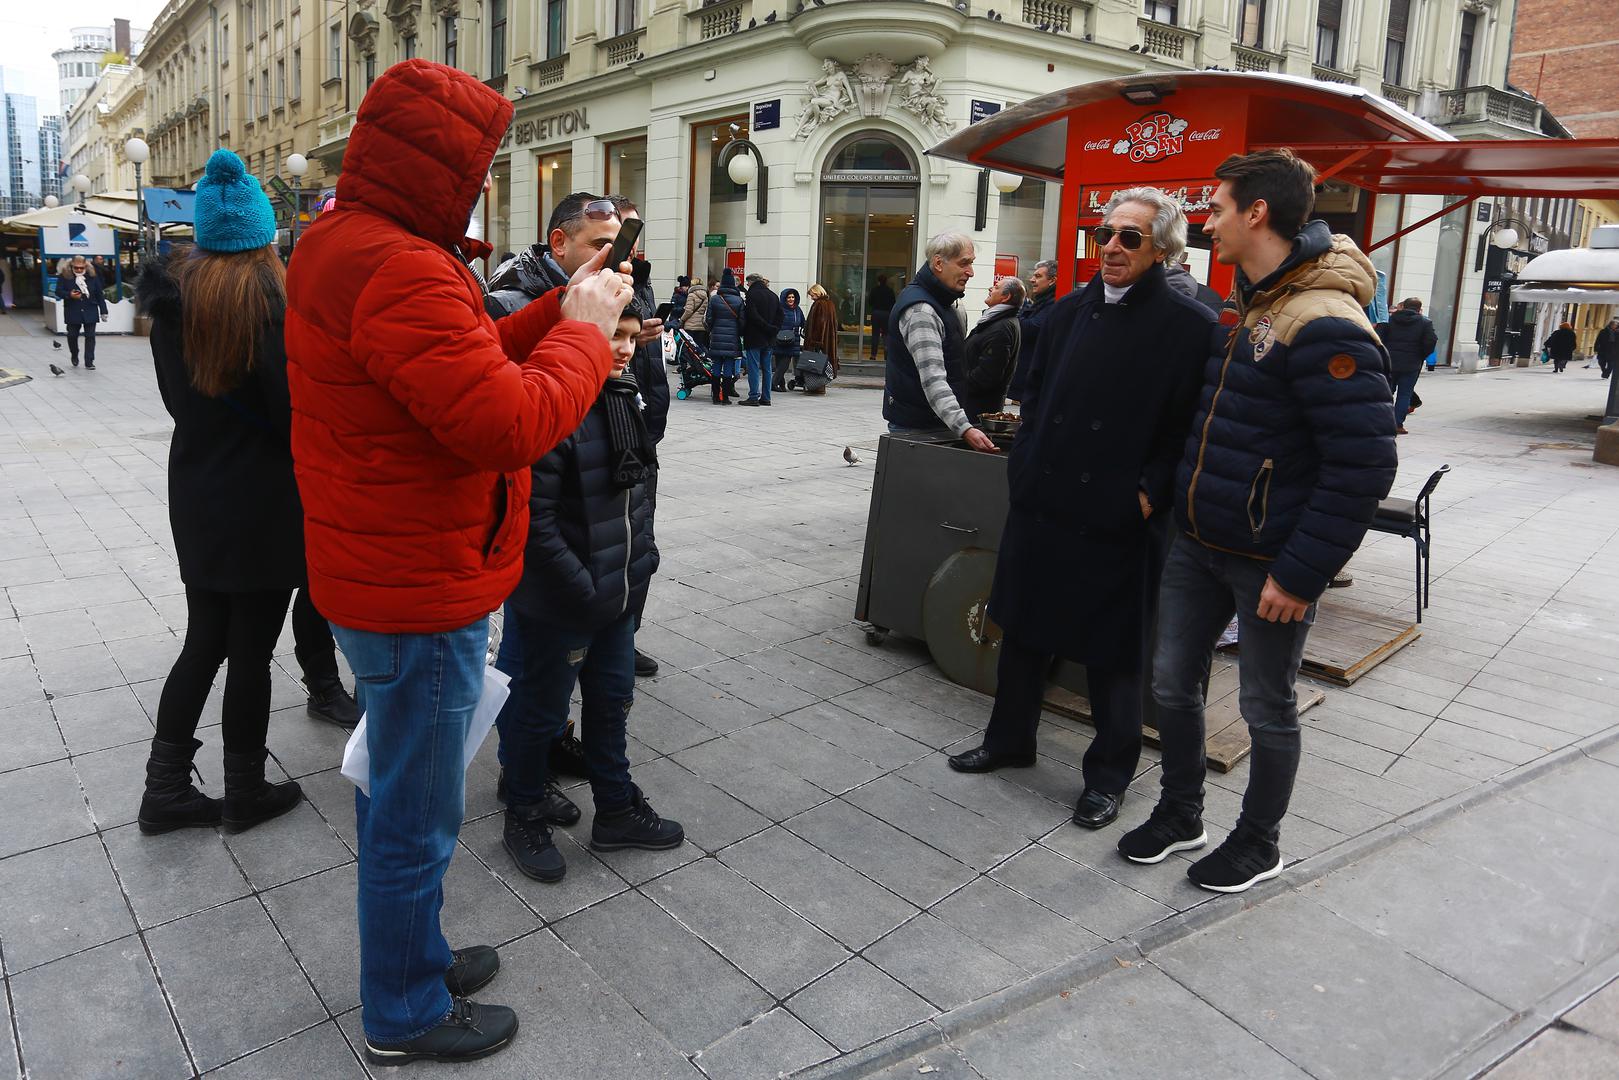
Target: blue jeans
(760, 369)
(509, 662)
(554, 660)
(418, 692)
(1200, 590)
(1405, 384)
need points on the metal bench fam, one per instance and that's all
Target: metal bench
(1413, 518)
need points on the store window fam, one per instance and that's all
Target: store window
(719, 208)
(1328, 18)
(498, 205)
(870, 191)
(556, 28)
(1464, 53)
(1251, 24)
(626, 170)
(497, 38)
(556, 181)
(1028, 228)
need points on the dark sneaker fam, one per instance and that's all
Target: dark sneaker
(471, 970)
(636, 826)
(645, 666)
(471, 1031)
(568, 757)
(1167, 831)
(1244, 860)
(330, 700)
(528, 841)
(557, 807)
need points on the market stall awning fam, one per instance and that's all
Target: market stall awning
(113, 208)
(1568, 168)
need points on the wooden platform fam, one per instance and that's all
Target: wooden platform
(1348, 640)
(1225, 732)
(12, 377)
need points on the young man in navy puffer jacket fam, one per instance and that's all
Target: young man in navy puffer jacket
(1290, 451)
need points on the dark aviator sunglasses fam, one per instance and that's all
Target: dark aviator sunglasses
(1130, 238)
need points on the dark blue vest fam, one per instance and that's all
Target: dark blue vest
(903, 401)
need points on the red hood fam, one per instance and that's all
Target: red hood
(421, 146)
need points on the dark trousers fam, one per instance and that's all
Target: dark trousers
(312, 642)
(1201, 590)
(652, 513)
(89, 329)
(1115, 697)
(1405, 385)
(241, 628)
(879, 330)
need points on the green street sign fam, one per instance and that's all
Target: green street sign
(714, 240)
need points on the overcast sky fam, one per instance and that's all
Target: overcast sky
(30, 30)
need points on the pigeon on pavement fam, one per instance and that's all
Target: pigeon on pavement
(56, 344)
(849, 455)
(56, 370)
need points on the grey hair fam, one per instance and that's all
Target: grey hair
(1048, 265)
(948, 245)
(1168, 222)
(1015, 290)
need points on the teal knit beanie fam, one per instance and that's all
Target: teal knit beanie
(232, 211)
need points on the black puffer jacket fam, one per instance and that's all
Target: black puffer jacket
(725, 321)
(1409, 337)
(590, 549)
(647, 367)
(517, 281)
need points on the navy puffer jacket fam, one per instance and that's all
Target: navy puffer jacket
(590, 551)
(1293, 442)
(725, 320)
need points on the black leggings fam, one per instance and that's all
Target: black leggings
(239, 627)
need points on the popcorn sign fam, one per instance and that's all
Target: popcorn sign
(1155, 137)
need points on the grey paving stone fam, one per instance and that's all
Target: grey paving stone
(32, 736)
(294, 845)
(1109, 1027)
(1094, 901)
(588, 881)
(996, 797)
(1011, 924)
(317, 917)
(654, 963)
(47, 595)
(102, 718)
(960, 833)
(943, 1063)
(703, 702)
(1585, 790)
(63, 629)
(731, 764)
(766, 692)
(922, 687)
(808, 675)
(59, 900)
(1598, 1014)
(796, 750)
(40, 805)
(726, 640)
(775, 1044)
(320, 1052)
(1378, 1012)
(899, 862)
(858, 735)
(1440, 908)
(77, 670)
(1566, 1055)
(12, 642)
(175, 873)
(19, 684)
(28, 570)
(858, 1004)
(99, 1013)
(127, 619)
(769, 943)
(851, 908)
(666, 729)
(478, 908)
(712, 819)
(303, 745)
(115, 779)
(942, 964)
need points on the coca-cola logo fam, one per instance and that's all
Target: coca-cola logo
(1157, 136)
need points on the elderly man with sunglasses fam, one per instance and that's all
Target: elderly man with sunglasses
(1107, 405)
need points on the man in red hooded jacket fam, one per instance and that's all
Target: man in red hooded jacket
(415, 421)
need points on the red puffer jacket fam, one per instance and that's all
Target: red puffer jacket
(416, 418)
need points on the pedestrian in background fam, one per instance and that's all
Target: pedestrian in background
(1607, 347)
(83, 306)
(725, 337)
(1560, 346)
(217, 315)
(821, 329)
(1409, 336)
(991, 349)
(1042, 290)
(880, 306)
(789, 339)
(677, 300)
(761, 318)
(693, 319)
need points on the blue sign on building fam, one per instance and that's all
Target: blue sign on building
(767, 115)
(981, 109)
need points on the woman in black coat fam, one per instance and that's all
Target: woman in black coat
(1107, 405)
(723, 321)
(84, 305)
(1560, 346)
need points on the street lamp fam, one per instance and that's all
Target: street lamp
(80, 184)
(52, 202)
(1504, 238)
(137, 152)
(744, 164)
(297, 166)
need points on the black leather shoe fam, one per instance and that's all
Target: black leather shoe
(471, 970)
(330, 700)
(527, 839)
(981, 759)
(645, 666)
(568, 757)
(1096, 809)
(557, 808)
(471, 1031)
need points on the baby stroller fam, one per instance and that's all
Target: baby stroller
(692, 363)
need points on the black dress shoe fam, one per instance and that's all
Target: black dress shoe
(645, 666)
(981, 759)
(557, 808)
(1096, 809)
(471, 1031)
(471, 970)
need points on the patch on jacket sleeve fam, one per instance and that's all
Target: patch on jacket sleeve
(1341, 366)
(1261, 337)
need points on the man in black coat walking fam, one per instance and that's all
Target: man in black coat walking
(1106, 410)
(84, 305)
(761, 318)
(1607, 347)
(1409, 337)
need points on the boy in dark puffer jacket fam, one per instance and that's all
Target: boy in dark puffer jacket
(589, 557)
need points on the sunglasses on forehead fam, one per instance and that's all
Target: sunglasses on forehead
(1130, 238)
(600, 210)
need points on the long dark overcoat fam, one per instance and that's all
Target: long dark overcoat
(1107, 405)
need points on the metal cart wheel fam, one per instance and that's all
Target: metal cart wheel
(962, 639)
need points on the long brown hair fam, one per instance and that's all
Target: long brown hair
(230, 299)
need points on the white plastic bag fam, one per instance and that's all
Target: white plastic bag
(357, 757)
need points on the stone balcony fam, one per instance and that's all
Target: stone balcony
(1487, 112)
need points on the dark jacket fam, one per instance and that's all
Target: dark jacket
(517, 281)
(1607, 345)
(1181, 280)
(821, 329)
(881, 298)
(647, 365)
(90, 306)
(1034, 320)
(1409, 337)
(792, 318)
(233, 501)
(677, 305)
(761, 317)
(990, 353)
(724, 320)
(590, 551)
(1293, 442)
(1560, 345)
(1107, 409)
(904, 403)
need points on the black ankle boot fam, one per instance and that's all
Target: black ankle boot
(330, 700)
(171, 801)
(250, 800)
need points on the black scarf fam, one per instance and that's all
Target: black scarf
(632, 456)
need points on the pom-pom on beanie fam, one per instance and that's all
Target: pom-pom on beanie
(232, 211)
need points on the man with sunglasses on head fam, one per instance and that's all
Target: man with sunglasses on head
(1107, 404)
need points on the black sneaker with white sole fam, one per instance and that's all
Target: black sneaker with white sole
(1167, 831)
(1241, 862)
(471, 1031)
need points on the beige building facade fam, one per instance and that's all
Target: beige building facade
(106, 115)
